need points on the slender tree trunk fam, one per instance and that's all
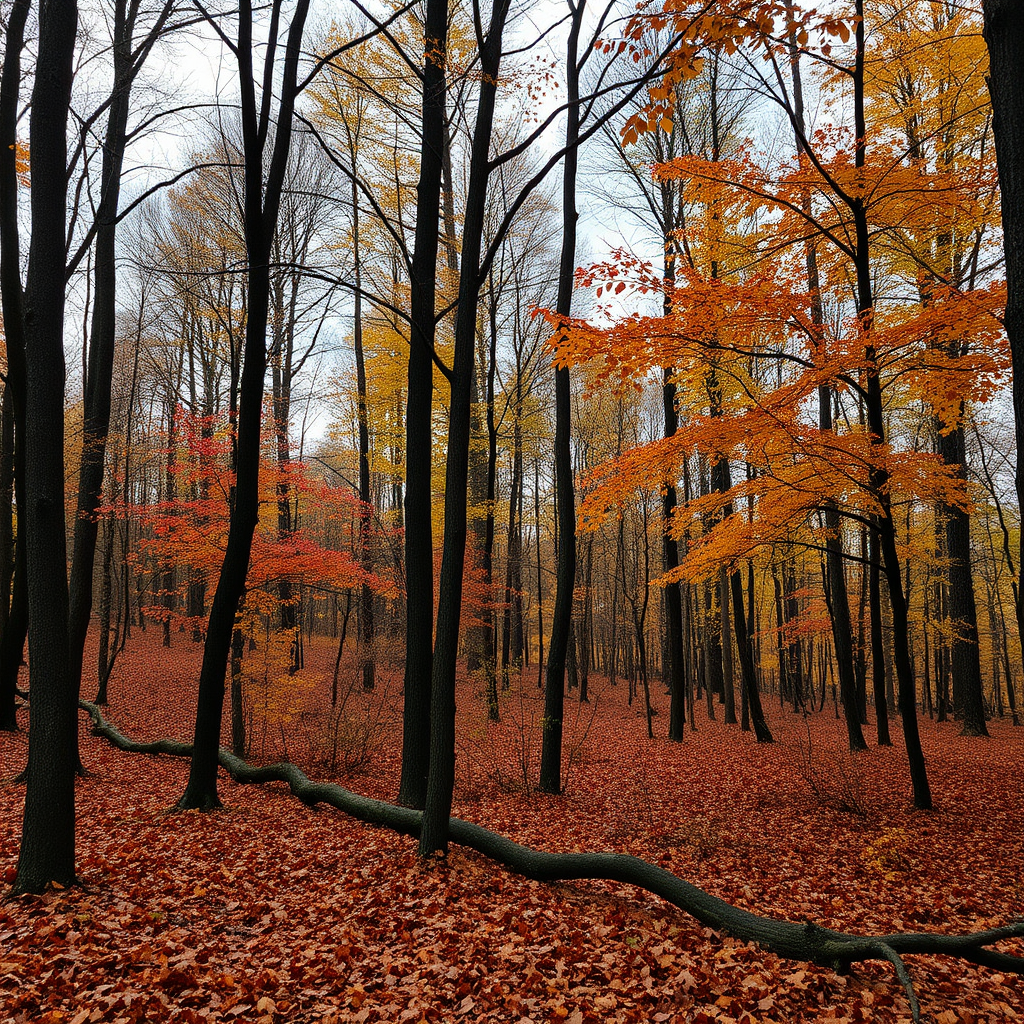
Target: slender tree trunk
(366, 623)
(261, 208)
(839, 605)
(554, 686)
(127, 60)
(728, 676)
(877, 643)
(511, 652)
(879, 474)
(673, 600)
(419, 541)
(441, 776)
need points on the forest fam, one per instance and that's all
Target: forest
(511, 512)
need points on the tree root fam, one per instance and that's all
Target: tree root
(805, 942)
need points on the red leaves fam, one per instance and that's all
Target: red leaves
(273, 912)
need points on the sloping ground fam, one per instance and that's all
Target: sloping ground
(271, 911)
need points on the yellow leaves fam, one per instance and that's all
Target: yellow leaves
(887, 854)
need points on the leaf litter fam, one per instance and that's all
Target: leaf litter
(269, 911)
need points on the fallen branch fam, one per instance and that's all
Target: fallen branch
(804, 942)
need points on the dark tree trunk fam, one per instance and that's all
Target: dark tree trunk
(677, 681)
(965, 660)
(365, 508)
(48, 838)
(839, 604)
(419, 542)
(441, 776)
(6, 514)
(12, 641)
(842, 625)
(561, 623)
(1004, 34)
(100, 365)
(748, 675)
(879, 474)
(877, 642)
(512, 612)
(261, 208)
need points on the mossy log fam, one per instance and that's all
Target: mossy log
(803, 942)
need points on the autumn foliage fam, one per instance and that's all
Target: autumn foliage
(271, 911)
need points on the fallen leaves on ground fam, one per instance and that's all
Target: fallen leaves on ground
(269, 911)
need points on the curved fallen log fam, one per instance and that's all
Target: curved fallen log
(804, 942)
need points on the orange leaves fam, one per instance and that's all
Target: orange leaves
(22, 164)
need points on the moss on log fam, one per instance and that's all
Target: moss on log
(795, 941)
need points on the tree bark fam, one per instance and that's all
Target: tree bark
(565, 577)
(441, 774)
(261, 207)
(47, 853)
(965, 659)
(419, 541)
(12, 641)
(1004, 34)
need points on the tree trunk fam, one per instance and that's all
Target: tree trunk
(419, 541)
(47, 852)
(1004, 35)
(878, 473)
(561, 624)
(441, 775)
(127, 59)
(965, 660)
(366, 624)
(261, 207)
(12, 641)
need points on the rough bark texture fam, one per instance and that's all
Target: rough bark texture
(803, 942)
(968, 701)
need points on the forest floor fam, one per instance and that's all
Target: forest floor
(270, 912)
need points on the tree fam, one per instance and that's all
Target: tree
(419, 544)
(47, 853)
(565, 579)
(441, 775)
(12, 640)
(128, 57)
(261, 203)
(1004, 36)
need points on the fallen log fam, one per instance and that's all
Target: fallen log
(805, 942)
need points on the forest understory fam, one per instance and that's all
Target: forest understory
(272, 911)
